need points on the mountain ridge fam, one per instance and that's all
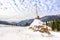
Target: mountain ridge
(29, 21)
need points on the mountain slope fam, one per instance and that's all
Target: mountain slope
(29, 21)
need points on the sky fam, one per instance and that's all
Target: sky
(17, 10)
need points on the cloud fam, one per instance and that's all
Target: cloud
(25, 9)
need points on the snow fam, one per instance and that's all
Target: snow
(36, 22)
(8, 32)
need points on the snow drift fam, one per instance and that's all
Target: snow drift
(8, 32)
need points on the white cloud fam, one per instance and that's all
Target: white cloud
(16, 11)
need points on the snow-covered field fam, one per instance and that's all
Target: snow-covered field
(8, 32)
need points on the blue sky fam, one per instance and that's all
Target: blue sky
(26, 9)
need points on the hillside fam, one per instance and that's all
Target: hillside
(29, 21)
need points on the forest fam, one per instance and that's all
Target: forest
(54, 24)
